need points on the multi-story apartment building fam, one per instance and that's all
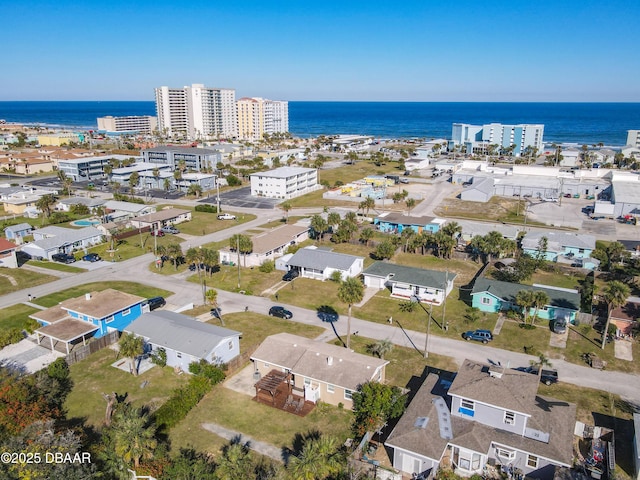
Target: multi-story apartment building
(257, 116)
(633, 138)
(197, 112)
(87, 168)
(194, 159)
(135, 124)
(478, 138)
(284, 182)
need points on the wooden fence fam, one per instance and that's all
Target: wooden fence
(81, 352)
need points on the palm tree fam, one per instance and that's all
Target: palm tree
(44, 204)
(166, 184)
(525, 299)
(286, 206)
(542, 362)
(333, 219)
(453, 229)
(318, 460)
(615, 293)
(195, 189)
(235, 462)
(380, 348)
(131, 347)
(212, 296)
(350, 291)
(319, 226)
(243, 244)
(133, 435)
(156, 175)
(406, 236)
(194, 257)
(540, 299)
(410, 202)
(366, 234)
(368, 204)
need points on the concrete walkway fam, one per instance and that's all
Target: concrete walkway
(623, 350)
(499, 324)
(369, 293)
(262, 448)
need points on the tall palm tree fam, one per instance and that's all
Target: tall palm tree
(133, 435)
(453, 229)
(410, 202)
(350, 291)
(368, 204)
(333, 219)
(131, 347)
(540, 363)
(525, 299)
(366, 234)
(286, 206)
(615, 294)
(318, 460)
(44, 204)
(540, 299)
(319, 226)
(235, 462)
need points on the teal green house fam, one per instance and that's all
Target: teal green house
(495, 296)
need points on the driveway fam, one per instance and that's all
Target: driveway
(241, 197)
(27, 356)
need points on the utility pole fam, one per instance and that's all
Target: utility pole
(426, 338)
(218, 189)
(445, 325)
(238, 250)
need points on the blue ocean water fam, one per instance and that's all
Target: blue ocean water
(580, 123)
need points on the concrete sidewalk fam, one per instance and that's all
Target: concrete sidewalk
(262, 448)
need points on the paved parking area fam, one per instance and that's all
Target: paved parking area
(27, 356)
(241, 198)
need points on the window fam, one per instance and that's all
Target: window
(468, 404)
(231, 345)
(109, 319)
(178, 355)
(532, 461)
(331, 388)
(486, 301)
(509, 418)
(348, 394)
(307, 382)
(505, 454)
(126, 312)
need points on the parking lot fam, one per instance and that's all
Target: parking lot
(241, 198)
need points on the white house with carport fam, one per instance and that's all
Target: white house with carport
(53, 239)
(429, 286)
(163, 218)
(66, 204)
(185, 339)
(319, 264)
(117, 210)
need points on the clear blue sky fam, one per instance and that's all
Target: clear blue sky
(402, 50)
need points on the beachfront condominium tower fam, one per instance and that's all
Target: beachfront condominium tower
(197, 112)
(479, 138)
(257, 116)
(633, 138)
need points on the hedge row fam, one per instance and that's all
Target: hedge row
(206, 208)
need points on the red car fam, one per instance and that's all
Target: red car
(157, 233)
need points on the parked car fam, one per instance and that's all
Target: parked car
(156, 302)
(559, 325)
(290, 275)
(170, 229)
(567, 195)
(483, 336)
(226, 216)
(280, 312)
(91, 257)
(404, 180)
(548, 376)
(157, 233)
(63, 258)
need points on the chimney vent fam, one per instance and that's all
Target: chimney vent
(329, 360)
(87, 296)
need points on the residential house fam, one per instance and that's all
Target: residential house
(562, 247)
(320, 371)
(429, 286)
(392, 222)
(268, 245)
(163, 218)
(8, 254)
(53, 239)
(185, 339)
(93, 314)
(119, 211)
(632, 246)
(66, 204)
(636, 445)
(626, 317)
(486, 415)
(320, 264)
(18, 232)
(473, 229)
(496, 296)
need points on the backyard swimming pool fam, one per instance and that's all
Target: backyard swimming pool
(85, 223)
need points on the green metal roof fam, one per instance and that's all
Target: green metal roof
(507, 291)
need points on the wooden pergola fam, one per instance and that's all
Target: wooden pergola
(66, 331)
(271, 382)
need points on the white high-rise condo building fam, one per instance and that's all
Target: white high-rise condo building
(138, 124)
(633, 138)
(257, 116)
(284, 182)
(197, 112)
(479, 138)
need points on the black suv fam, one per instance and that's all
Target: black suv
(156, 302)
(63, 258)
(280, 312)
(548, 376)
(290, 275)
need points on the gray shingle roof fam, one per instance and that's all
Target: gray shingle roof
(410, 275)
(180, 332)
(556, 241)
(507, 291)
(320, 259)
(60, 236)
(18, 228)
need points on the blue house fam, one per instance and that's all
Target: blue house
(562, 247)
(392, 222)
(15, 232)
(93, 315)
(495, 296)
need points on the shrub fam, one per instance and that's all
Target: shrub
(336, 276)
(159, 357)
(206, 208)
(10, 336)
(205, 369)
(268, 266)
(182, 401)
(233, 181)
(30, 325)
(58, 217)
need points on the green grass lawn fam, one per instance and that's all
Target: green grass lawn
(22, 278)
(256, 327)
(252, 280)
(95, 375)
(556, 279)
(60, 267)
(280, 221)
(128, 287)
(308, 293)
(15, 316)
(404, 363)
(497, 209)
(515, 338)
(203, 223)
(238, 412)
